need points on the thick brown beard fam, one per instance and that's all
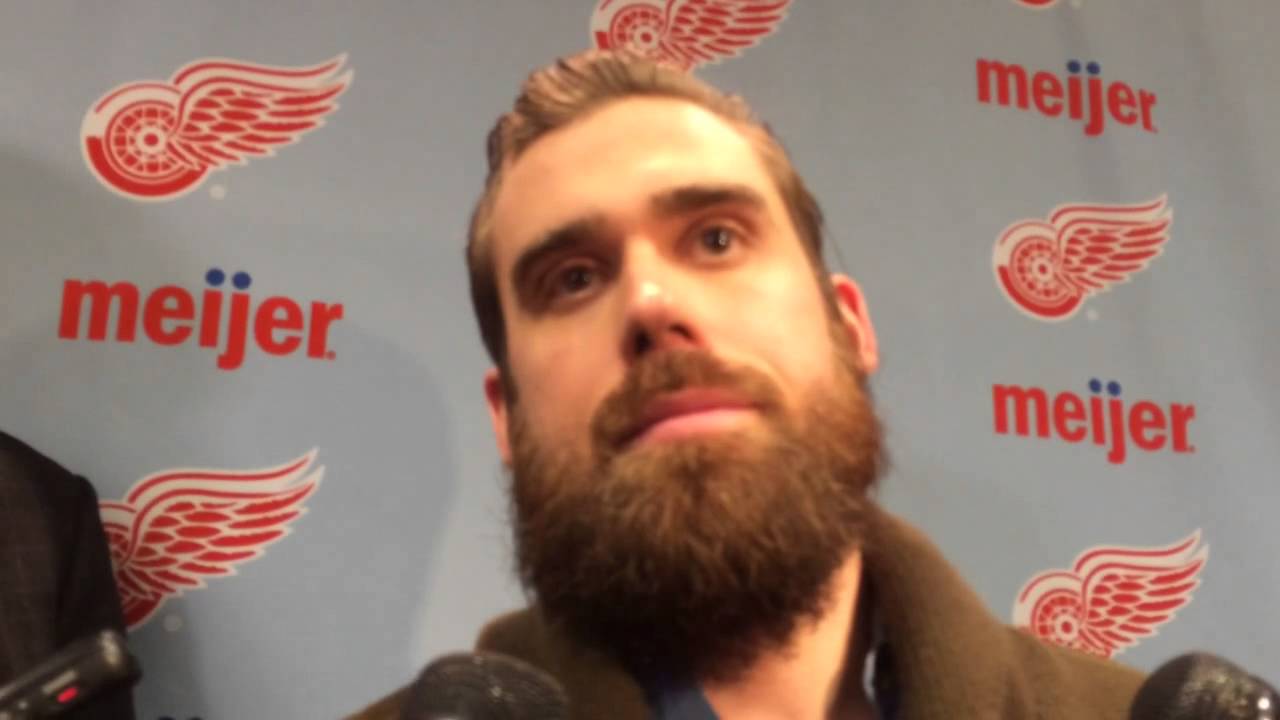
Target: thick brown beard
(696, 556)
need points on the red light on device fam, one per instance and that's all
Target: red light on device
(68, 695)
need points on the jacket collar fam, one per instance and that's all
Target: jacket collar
(945, 654)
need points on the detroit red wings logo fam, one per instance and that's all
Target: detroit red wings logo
(1113, 597)
(685, 33)
(155, 140)
(1048, 269)
(176, 528)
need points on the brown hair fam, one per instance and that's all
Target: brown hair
(568, 90)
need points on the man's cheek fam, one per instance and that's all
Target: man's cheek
(558, 415)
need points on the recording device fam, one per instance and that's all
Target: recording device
(1200, 686)
(74, 674)
(484, 686)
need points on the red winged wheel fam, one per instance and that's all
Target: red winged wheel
(176, 528)
(1048, 269)
(1113, 596)
(685, 33)
(154, 140)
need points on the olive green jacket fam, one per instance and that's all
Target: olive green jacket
(951, 657)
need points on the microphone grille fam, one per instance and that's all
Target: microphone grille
(1200, 685)
(484, 686)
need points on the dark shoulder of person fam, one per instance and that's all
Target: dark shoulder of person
(56, 581)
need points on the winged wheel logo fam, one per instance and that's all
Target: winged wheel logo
(685, 33)
(1048, 268)
(176, 528)
(154, 140)
(1112, 597)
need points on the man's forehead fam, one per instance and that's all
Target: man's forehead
(621, 158)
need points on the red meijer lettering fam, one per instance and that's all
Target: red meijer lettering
(1089, 100)
(1145, 425)
(171, 315)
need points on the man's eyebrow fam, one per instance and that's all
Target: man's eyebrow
(573, 234)
(691, 198)
(586, 231)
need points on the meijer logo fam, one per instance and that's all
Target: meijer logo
(1105, 420)
(155, 140)
(171, 315)
(1048, 269)
(1087, 99)
(685, 33)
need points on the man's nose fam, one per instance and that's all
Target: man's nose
(657, 319)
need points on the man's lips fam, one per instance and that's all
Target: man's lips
(688, 412)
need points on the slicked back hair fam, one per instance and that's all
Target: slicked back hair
(569, 90)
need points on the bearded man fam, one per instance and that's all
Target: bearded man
(680, 395)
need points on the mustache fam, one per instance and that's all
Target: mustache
(670, 371)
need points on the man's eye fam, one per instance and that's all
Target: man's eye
(717, 239)
(573, 279)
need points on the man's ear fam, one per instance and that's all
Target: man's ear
(856, 320)
(496, 397)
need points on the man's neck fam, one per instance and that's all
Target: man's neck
(818, 676)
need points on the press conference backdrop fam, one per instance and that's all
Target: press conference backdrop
(233, 296)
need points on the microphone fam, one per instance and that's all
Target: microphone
(484, 686)
(69, 677)
(1200, 686)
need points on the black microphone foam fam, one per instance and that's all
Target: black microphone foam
(1200, 686)
(484, 686)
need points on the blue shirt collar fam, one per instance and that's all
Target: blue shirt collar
(681, 699)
